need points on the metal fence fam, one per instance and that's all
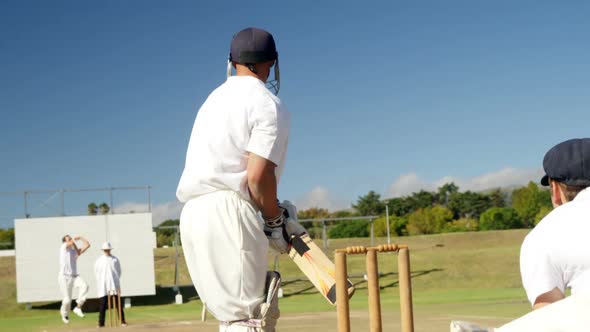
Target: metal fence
(62, 202)
(171, 270)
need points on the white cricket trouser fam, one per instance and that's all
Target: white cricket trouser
(568, 315)
(66, 285)
(226, 253)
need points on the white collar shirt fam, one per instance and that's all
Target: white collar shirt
(556, 254)
(107, 270)
(68, 261)
(238, 117)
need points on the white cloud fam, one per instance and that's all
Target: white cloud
(407, 184)
(320, 197)
(160, 212)
(506, 177)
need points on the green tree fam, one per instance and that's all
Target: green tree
(499, 218)
(423, 199)
(104, 208)
(400, 206)
(370, 204)
(497, 198)
(7, 237)
(468, 204)
(92, 209)
(445, 191)
(314, 228)
(397, 226)
(528, 200)
(170, 222)
(342, 214)
(430, 220)
(166, 236)
(313, 213)
(346, 229)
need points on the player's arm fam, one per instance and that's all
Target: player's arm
(85, 245)
(551, 296)
(118, 267)
(262, 184)
(542, 278)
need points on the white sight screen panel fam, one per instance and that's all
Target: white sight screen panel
(37, 242)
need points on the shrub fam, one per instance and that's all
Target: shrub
(397, 226)
(462, 225)
(7, 236)
(500, 218)
(345, 229)
(430, 220)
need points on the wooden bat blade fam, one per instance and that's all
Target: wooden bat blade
(316, 266)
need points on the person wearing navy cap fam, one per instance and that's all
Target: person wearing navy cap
(555, 254)
(231, 216)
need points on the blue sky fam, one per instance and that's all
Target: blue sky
(384, 96)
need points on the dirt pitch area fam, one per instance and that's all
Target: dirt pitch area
(312, 322)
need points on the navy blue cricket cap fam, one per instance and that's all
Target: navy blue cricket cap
(569, 163)
(252, 45)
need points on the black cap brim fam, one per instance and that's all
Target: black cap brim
(545, 180)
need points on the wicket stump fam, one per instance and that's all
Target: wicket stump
(116, 319)
(405, 287)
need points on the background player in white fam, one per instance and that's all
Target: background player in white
(234, 162)
(555, 254)
(68, 277)
(107, 270)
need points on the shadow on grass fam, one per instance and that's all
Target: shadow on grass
(167, 294)
(360, 284)
(164, 295)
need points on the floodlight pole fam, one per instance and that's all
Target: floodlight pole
(61, 195)
(26, 205)
(149, 192)
(387, 223)
(324, 235)
(111, 200)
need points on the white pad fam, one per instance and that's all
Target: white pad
(461, 326)
(268, 312)
(269, 309)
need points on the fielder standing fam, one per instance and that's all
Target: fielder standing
(107, 270)
(68, 277)
(234, 162)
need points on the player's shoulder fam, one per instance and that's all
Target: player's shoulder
(549, 229)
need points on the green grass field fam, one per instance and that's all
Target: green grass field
(472, 276)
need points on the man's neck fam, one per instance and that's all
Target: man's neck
(244, 71)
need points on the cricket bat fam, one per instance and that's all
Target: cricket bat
(318, 268)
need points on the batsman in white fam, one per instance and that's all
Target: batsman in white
(234, 161)
(107, 270)
(68, 277)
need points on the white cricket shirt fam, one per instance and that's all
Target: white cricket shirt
(238, 117)
(67, 260)
(556, 253)
(107, 270)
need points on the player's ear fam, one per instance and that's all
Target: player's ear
(555, 193)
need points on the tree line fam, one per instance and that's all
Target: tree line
(448, 209)
(445, 210)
